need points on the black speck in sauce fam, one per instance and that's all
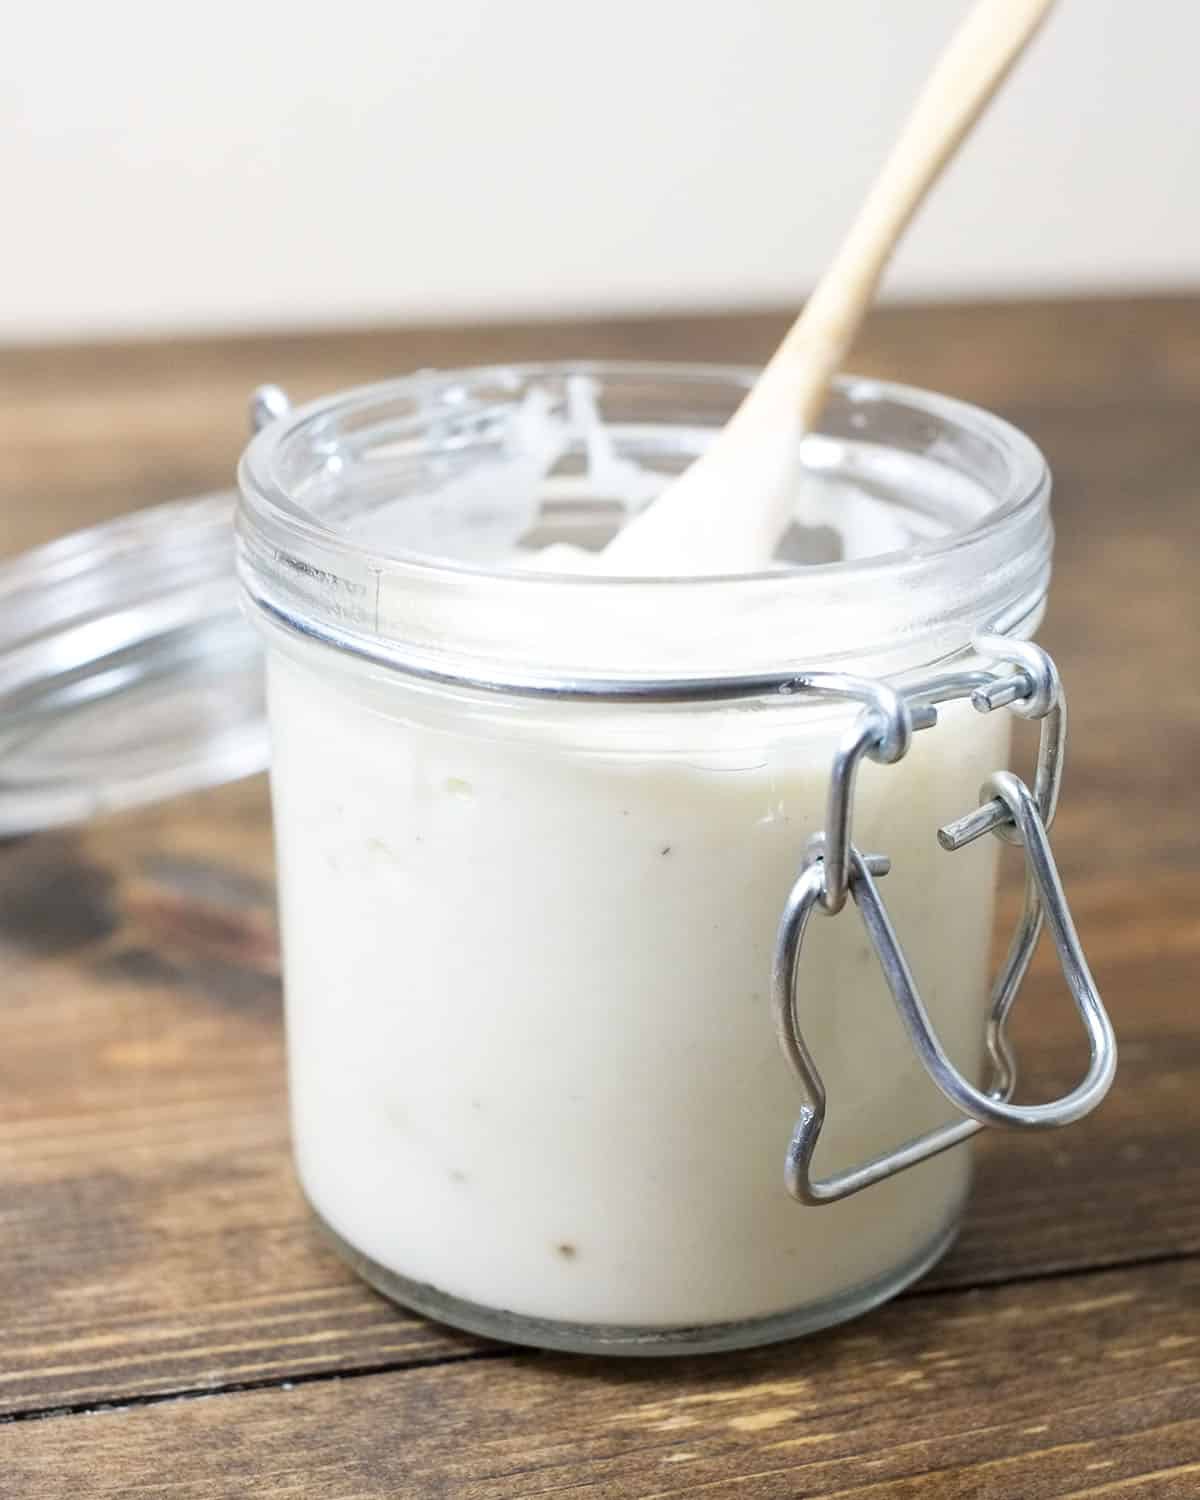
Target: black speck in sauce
(566, 1250)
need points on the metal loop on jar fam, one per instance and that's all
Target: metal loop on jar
(1009, 808)
(1042, 686)
(884, 731)
(977, 1107)
(1034, 691)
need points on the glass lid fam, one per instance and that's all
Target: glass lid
(127, 672)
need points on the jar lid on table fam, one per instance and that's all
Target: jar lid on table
(128, 673)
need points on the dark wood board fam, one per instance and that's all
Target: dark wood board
(1055, 1388)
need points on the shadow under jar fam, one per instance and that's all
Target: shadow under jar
(535, 833)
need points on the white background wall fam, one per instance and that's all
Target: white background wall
(230, 164)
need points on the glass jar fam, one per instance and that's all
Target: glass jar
(535, 833)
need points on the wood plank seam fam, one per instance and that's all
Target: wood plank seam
(267, 1383)
(515, 1353)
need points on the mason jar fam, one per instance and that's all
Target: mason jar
(537, 827)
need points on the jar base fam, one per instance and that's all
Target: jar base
(634, 1341)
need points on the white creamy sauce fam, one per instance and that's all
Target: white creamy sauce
(492, 511)
(532, 1055)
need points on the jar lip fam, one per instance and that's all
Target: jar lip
(262, 487)
(538, 630)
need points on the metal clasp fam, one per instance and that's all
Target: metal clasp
(268, 403)
(835, 867)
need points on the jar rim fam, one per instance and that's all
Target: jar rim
(305, 573)
(259, 474)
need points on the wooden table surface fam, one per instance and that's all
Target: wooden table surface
(169, 1324)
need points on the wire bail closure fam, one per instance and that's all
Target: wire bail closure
(835, 868)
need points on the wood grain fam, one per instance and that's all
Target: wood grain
(152, 1242)
(153, 1238)
(1024, 1393)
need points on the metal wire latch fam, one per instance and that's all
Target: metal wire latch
(835, 868)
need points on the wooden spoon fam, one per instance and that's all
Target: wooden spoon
(727, 512)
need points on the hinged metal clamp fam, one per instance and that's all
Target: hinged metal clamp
(835, 868)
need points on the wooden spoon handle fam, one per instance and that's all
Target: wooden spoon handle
(978, 58)
(726, 513)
